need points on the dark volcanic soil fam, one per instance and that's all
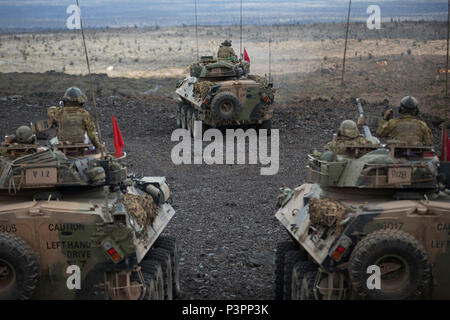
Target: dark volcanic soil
(225, 213)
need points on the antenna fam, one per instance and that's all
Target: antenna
(90, 76)
(196, 26)
(240, 47)
(346, 40)
(445, 126)
(270, 59)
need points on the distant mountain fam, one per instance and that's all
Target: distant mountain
(27, 14)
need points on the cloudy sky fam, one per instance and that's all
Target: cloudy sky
(113, 13)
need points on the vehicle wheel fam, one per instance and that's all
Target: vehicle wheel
(19, 268)
(194, 118)
(307, 287)
(179, 121)
(225, 106)
(191, 117)
(405, 271)
(299, 271)
(189, 120)
(183, 114)
(164, 258)
(152, 293)
(267, 124)
(169, 243)
(281, 250)
(152, 270)
(290, 260)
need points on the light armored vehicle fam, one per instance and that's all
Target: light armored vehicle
(370, 224)
(223, 93)
(75, 225)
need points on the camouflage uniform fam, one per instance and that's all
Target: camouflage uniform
(226, 52)
(72, 121)
(406, 128)
(340, 144)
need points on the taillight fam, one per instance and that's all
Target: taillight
(111, 251)
(429, 154)
(114, 255)
(337, 254)
(341, 248)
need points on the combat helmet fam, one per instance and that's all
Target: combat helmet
(24, 135)
(349, 129)
(409, 105)
(74, 95)
(226, 43)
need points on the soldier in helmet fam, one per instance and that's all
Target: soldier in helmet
(72, 121)
(24, 135)
(226, 52)
(348, 135)
(407, 128)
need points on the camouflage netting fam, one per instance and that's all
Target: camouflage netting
(201, 88)
(327, 213)
(141, 207)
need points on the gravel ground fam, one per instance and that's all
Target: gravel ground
(224, 213)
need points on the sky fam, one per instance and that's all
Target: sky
(27, 14)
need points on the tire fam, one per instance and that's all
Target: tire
(19, 268)
(152, 293)
(170, 244)
(189, 120)
(163, 257)
(281, 250)
(299, 271)
(225, 106)
(267, 124)
(194, 118)
(401, 250)
(178, 117)
(191, 116)
(152, 270)
(183, 114)
(307, 287)
(290, 260)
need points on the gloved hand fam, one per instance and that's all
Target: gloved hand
(388, 114)
(361, 122)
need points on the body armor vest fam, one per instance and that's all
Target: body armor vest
(408, 130)
(71, 126)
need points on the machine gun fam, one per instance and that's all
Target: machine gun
(367, 133)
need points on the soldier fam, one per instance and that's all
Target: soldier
(24, 135)
(407, 128)
(226, 52)
(348, 135)
(71, 121)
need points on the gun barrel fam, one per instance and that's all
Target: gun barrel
(366, 129)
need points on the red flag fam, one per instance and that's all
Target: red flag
(118, 139)
(445, 143)
(246, 57)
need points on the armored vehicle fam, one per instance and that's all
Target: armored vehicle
(223, 93)
(369, 224)
(75, 225)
